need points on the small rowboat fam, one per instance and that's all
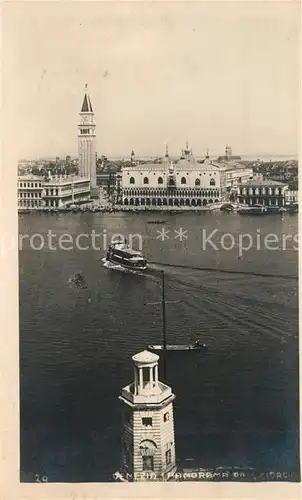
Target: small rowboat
(156, 222)
(178, 347)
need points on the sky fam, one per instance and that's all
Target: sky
(211, 73)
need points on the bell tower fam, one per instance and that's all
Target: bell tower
(86, 141)
(148, 443)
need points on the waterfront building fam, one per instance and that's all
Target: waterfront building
(86, 141)
(167, 184)
(185, 183)
(233, 173)
(291, 196)
(30, 191)
(66, 190)
(264, 192)
(148, 443)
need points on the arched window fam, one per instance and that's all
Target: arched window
(197, 182)
(160, 180)
(183, 180)
(146, 180)
(132, 181)
(212, 182)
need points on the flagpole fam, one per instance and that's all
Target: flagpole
(164, 325)
(163, 304)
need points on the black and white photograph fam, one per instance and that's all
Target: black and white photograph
(156, 150)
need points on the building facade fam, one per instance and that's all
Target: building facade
(62, 191)
(233, 171)
(86, 142)
(291, 196)
(30, 192)
(233, 174)
(148, 443)
(185, 183)
(265, 192)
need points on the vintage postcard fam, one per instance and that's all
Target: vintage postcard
(150, 192)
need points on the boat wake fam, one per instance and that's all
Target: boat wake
(118, 267)
(156, 267)
(160, 266)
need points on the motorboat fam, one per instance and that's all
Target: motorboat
(121, 254)
(252, 210)
(156, 222)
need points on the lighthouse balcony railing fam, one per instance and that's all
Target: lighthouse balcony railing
(153, 396)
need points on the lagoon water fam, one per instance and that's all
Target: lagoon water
(236, 405)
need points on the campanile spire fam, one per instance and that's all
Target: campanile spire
(86, 106)
(86, 140)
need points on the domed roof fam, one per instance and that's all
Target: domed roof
(145, 357)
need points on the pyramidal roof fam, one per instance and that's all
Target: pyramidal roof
(86, 106)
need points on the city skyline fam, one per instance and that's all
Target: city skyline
(156, 74)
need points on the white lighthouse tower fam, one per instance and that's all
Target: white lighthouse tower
(86, 141)
(148, 444)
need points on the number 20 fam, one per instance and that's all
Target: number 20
(42, 480)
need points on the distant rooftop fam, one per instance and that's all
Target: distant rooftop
(225, 166)
(63, 179)
(258, 182)
(229, 158)
(30, 177)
